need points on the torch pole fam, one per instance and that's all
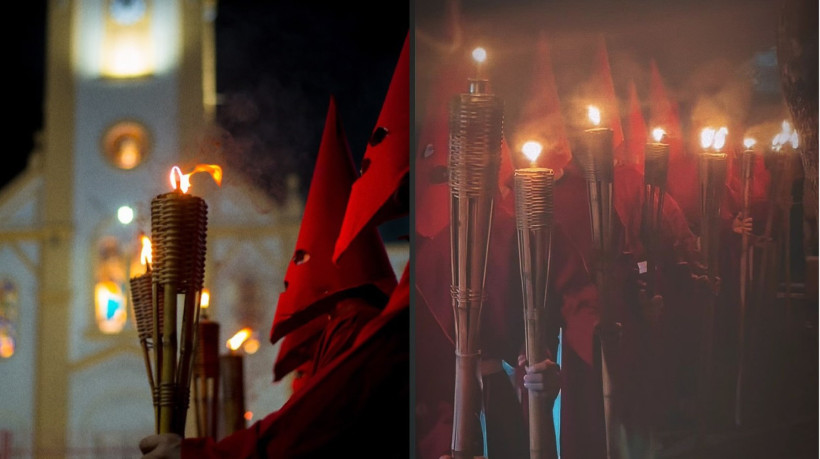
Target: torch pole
(712, 179)
(745, 278)
(475, 151)
(597, 161)
(533, 212)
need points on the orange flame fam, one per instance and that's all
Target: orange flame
(184, 182)
(236, 340)
(145, 254)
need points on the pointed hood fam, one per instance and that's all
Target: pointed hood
(683, 169)
(432, 191)
(312, 276)
(542, 119)
(298, 347)
(386, 163)
(602, 94)
(663, 110)
(636, 135)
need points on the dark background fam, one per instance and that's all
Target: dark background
(278, 63)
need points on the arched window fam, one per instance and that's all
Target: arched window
(8, 318)
(110, 299)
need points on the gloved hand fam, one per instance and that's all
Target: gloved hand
(162, 446)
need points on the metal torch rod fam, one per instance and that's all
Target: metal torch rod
(533, 200)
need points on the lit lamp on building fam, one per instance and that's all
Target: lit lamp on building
(476, 119)
(128, 46)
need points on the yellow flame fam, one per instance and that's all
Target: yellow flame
(184, 182)
(145, 254)
(594, 114)
(749, 142)
(531, 150)
(480, 54)
(236, 340)
(720, 138)
(707, 137)
(205, 299)
(786, 135)
(248, 415)
(658, 134)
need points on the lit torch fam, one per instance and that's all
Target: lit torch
(141, 300)
(476, 121)
(206, 371)
(712, 179)
(533, 217)
(746, 164)
(233, 380)
(178, 232)
(782, 164)
(597, 161)
(656, 163)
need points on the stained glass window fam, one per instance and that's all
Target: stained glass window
(8, 318)
(110, 300)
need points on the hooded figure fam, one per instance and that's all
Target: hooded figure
(348, 293)
(357, 403)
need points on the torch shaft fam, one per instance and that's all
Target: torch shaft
(745, 272)
(168, 387)
(533, 211)
(474, 156)
(712, 181)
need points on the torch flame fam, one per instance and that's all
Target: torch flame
(480, 55)
(786, 135)
(707, 137)
(236, 340)
(531, 150)
(205, 299)
(594, 114)
(749, 142)
(145, 254)
(720, 138)
(184, 182)
(658, 134)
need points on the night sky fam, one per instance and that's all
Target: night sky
(278, 63)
